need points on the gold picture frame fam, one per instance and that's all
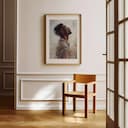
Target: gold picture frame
(63, 38)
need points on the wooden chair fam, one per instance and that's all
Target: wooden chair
(88, 80)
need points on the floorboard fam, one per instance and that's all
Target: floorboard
(50, 119)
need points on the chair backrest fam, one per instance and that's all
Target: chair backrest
(84, 78)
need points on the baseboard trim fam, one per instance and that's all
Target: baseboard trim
(100, 105)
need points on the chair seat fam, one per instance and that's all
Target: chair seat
(78, 94)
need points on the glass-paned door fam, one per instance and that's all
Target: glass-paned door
(117, 63)
(123, 63)
(110, 62)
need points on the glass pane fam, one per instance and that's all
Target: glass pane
(126, 8)
(111, 107)
(111, 14)
(126, 114)
(108, 49)
(126, 81)
(126, 39)
(111, 76)
(121, 41)
(108, 18)
(121, 9)
(111, 47)
(108, 103)
(108, 76)
(121, 78)
(121, 113)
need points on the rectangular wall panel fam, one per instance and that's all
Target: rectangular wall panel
(8, 80)
(1, 29)
(8, 30)
(7, 46)
(40, 90)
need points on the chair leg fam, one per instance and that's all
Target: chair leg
(86, 102)
(74, 104)
(63, 100)
(94, 98)
(64, 105)
(94, 104)
(74, 99)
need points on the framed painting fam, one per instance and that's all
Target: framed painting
(63, 38)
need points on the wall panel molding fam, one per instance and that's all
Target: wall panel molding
(4, 59)
(3, 55)
(6, 67)
(7, 46)
(36, 81)
(57, 73)
(5, 73)
(37, 84)
(57, 105)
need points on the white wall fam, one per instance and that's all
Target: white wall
(30, 48)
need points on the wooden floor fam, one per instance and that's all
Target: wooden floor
(50, 119)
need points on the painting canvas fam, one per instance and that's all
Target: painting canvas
(63, 39)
